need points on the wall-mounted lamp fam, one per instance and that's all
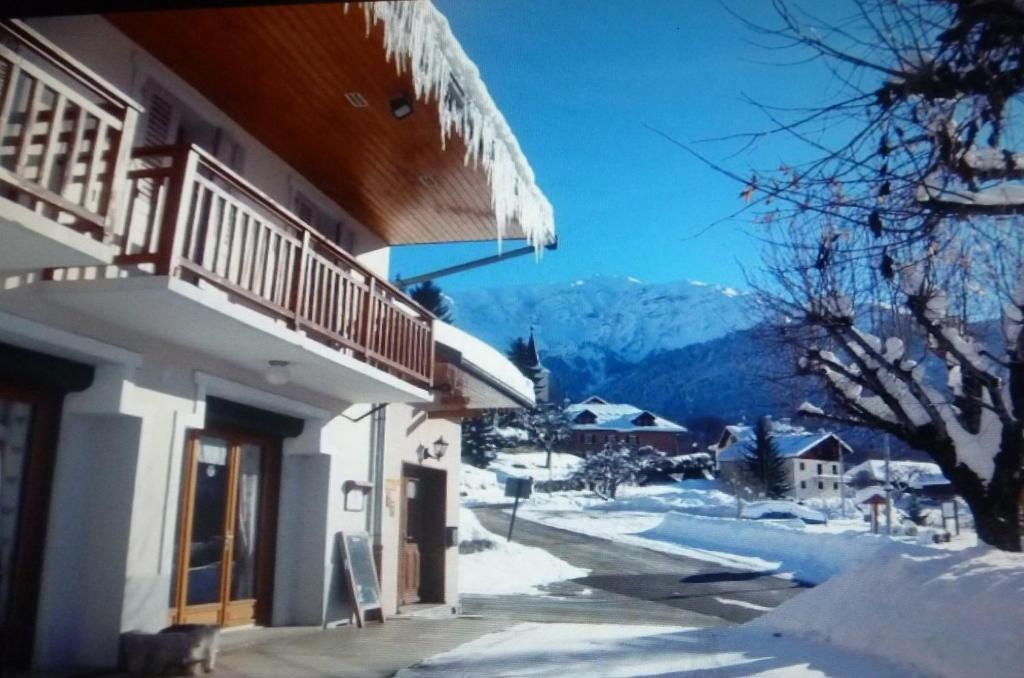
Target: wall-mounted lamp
(440, 448)
(437, 450)
(401, 106)
(356, 492)
(278, 373)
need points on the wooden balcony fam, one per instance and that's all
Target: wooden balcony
(190, 217)
(65, 139)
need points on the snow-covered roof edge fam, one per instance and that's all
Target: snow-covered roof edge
(419, 38)
(487, 360)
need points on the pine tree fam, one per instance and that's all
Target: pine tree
(480, 441)
(519, 353)
(429, 296)
(764, 465)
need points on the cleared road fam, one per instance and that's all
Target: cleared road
(630, 584)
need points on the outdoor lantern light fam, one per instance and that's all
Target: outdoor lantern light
(278, 373)
(401, 106)
(440, 447)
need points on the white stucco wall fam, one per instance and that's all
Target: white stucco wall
(810, 476)
(407, 428)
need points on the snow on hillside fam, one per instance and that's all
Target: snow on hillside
(589, 320)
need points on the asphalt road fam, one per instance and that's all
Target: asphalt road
(630, 584)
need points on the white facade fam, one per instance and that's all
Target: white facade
(160, 351)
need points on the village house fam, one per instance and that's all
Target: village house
(596, 422)
(922, 478)
(205, 375)
(814, 460)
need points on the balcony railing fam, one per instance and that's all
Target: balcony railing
(65, 134)
(191, 217)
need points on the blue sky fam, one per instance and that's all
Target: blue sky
(578, 80)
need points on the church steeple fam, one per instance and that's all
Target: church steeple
(539, 374)
(532, 353)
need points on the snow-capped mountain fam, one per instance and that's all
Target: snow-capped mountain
(590, 329)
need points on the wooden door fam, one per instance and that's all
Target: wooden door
(225, 547)
(409, 569)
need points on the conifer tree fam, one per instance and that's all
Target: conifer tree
(429, 296)
(480, 440)
(764, 465)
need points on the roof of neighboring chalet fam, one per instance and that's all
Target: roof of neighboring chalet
(328, 74)
(900, 471)
(790, 445)
(619, 417)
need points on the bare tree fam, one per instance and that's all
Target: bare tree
(888, 250)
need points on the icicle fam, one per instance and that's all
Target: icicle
(418, 38)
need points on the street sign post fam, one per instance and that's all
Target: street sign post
(520, 488)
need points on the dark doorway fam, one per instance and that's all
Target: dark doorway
(421, 570)
(32, 390)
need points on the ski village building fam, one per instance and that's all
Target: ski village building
(205, 376)
(814, 460)
(596, 422)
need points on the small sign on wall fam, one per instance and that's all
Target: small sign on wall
(392, 490)
(356, 492)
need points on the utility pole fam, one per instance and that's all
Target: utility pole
(842, 481)
(888, 488)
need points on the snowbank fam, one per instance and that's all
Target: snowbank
(506, 567)
(947, 613)
(811, 556)
(523, 464)
(698, 497)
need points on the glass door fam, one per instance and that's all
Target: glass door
(225, 540)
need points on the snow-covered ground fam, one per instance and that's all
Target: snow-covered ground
(947, 613)
(487, 486)
(500, 567)
(610, 650)
(693, 518)
(904, 612)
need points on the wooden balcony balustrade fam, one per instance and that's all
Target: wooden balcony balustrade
(65, 134)
(191, 217)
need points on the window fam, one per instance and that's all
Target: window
(589, 438)
(169, 121)
(331, 227)
(801, 466)
(803, 484)
(835, 486)
(819, 469)
(821, 485)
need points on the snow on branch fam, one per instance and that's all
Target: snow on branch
(418, 38)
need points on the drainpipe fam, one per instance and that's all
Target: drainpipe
(375, 513)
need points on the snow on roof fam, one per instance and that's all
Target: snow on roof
(617, 417)
(419, 38)
(485, 358)
(902, 471)
(865, 493)
(789, 445)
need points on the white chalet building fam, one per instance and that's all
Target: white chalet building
(814, 460)
(205, 375)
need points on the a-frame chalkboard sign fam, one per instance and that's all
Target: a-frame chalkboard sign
(362, 576)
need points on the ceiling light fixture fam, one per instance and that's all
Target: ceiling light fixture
(401, 106)
(278, 373)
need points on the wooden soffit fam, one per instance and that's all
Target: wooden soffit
(282, 72)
